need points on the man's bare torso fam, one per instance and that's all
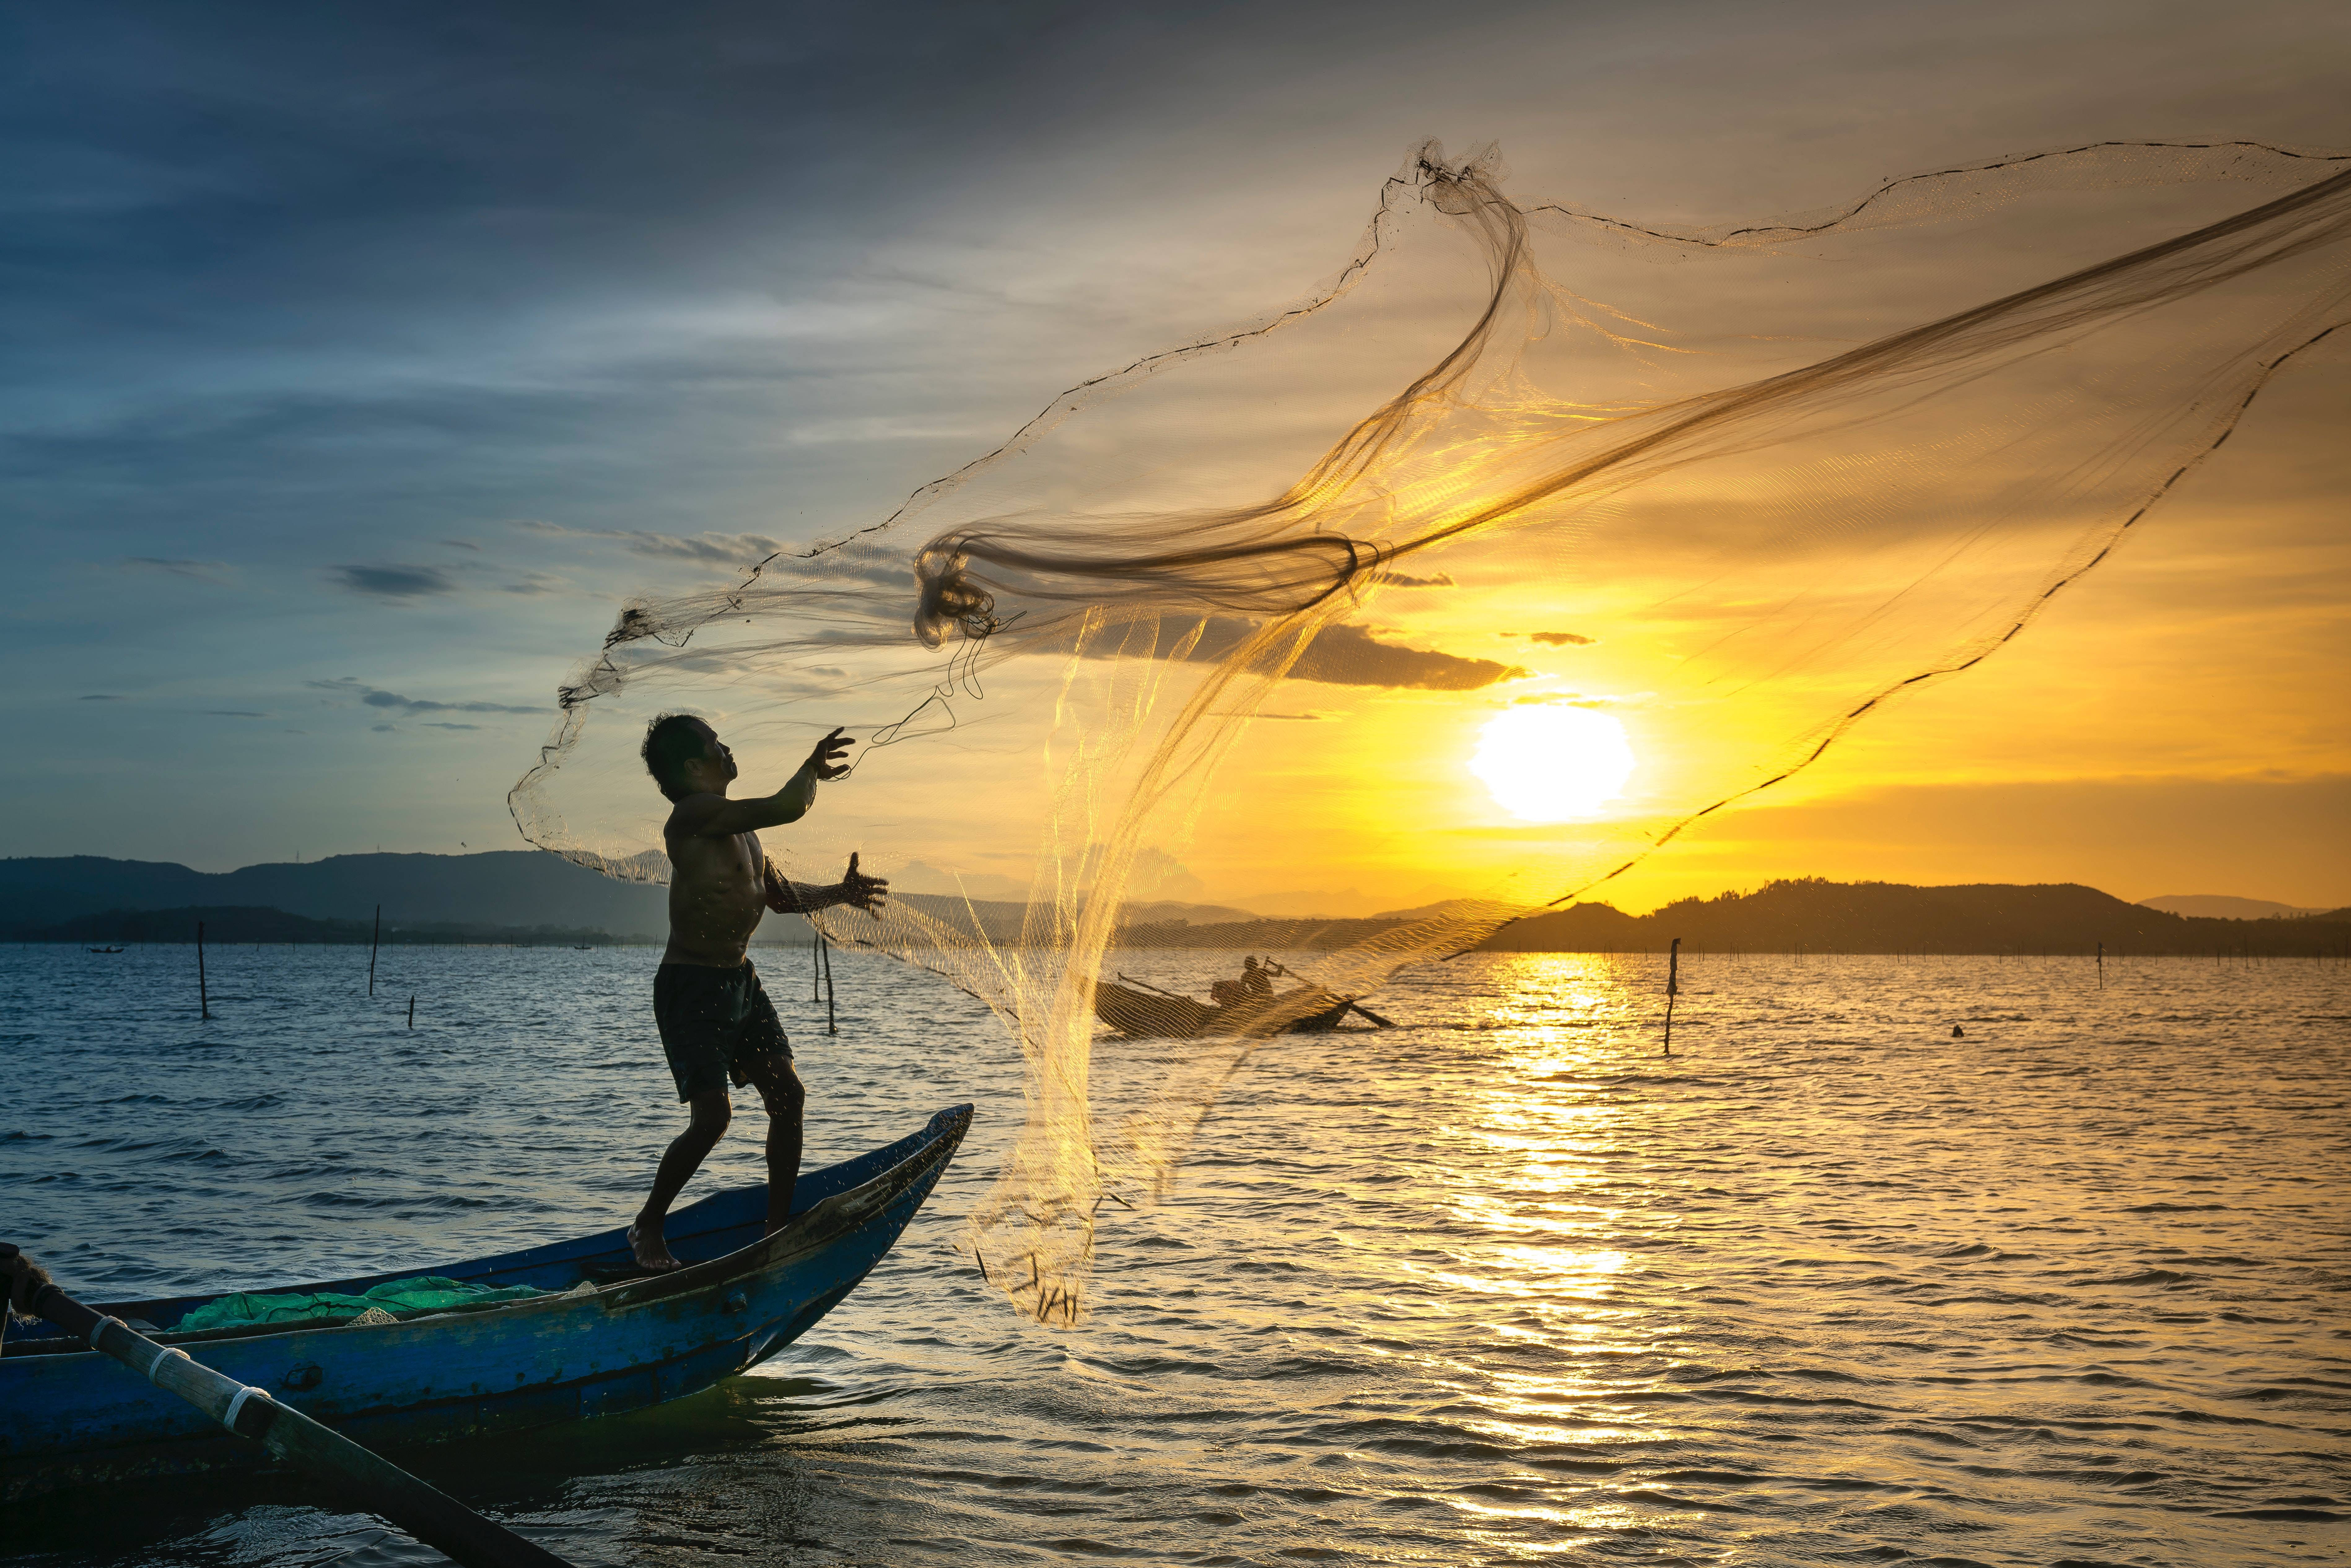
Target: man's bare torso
(717, 892)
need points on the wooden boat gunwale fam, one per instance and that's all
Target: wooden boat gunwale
(73, 1417)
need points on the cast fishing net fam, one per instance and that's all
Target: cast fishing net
(1257, 603)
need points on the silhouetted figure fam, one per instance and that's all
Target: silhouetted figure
(1257, 983)
(716, 1023)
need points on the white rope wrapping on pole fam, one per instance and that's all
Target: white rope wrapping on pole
(237, 1403)
(156, 1363)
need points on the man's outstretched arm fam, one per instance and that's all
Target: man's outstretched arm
(856, 890)
(716, 817)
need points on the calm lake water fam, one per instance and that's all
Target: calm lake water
(1501, 1285)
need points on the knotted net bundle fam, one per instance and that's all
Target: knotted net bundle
(1697, 500)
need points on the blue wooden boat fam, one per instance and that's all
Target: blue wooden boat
(611, 1340)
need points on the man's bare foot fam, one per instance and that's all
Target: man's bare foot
(651, 1249)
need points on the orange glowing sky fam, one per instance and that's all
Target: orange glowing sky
(343, 428)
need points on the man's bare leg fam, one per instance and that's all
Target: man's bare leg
(785, 1101)
(678, 1163)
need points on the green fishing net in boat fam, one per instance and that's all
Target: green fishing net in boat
(398, 1298)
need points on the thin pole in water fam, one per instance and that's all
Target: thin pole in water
(826, 948)
(373, 942)
(816, 965)
(412, 1010)
(2102, 966)
(1673, 988)
(204, 993)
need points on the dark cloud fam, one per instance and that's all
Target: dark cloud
(103, 698)
(439, 725)
(385, 728)
(377, 697)
(463, 544)
(1555, 639)
(395, 581)
(1340, 656)
(1351, 656)
(1399, 579)
(232, 712)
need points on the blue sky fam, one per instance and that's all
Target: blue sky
(360, 361)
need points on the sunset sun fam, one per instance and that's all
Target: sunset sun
(1550, 764)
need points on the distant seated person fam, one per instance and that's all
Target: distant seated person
(1257, 979)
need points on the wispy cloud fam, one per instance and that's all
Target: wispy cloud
(442, 725)
(1577, 699)
(103, 698)
(377, 697)
(1555, 639)
(710, 548)
(232, 712)
(1402, 579)
(215, 572)
(395, 581)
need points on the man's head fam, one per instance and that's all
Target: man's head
(685, 757)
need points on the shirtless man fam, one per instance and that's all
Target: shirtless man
(715, 1021)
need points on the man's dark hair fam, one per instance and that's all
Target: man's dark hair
(672, 741)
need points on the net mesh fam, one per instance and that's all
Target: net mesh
(1282, 597)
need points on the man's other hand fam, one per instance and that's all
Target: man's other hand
(861, 891)
(825, 761)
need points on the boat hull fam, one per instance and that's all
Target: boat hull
(71, 1417)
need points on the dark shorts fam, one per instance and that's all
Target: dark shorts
(716, 1024)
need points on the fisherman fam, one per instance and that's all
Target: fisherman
(1257, 981)
(715, 1021)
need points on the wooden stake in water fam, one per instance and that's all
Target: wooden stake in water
(412, 1010)
(2102, 966)
(826, 948)
(203, 994)
(373, 942)
(1673, 988)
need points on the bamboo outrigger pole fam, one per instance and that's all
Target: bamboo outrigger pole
(431, 1515)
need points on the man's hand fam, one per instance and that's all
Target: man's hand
(825, 761)
(861, 891)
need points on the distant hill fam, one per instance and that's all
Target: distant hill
(1815, 916)
(2223, 906)
(528, 896)
(1810, 916)
(235, 925)
(518, 888)
(497, 895)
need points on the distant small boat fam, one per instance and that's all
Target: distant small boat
(1309, 1009)
(583, 947)
(106, 949)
